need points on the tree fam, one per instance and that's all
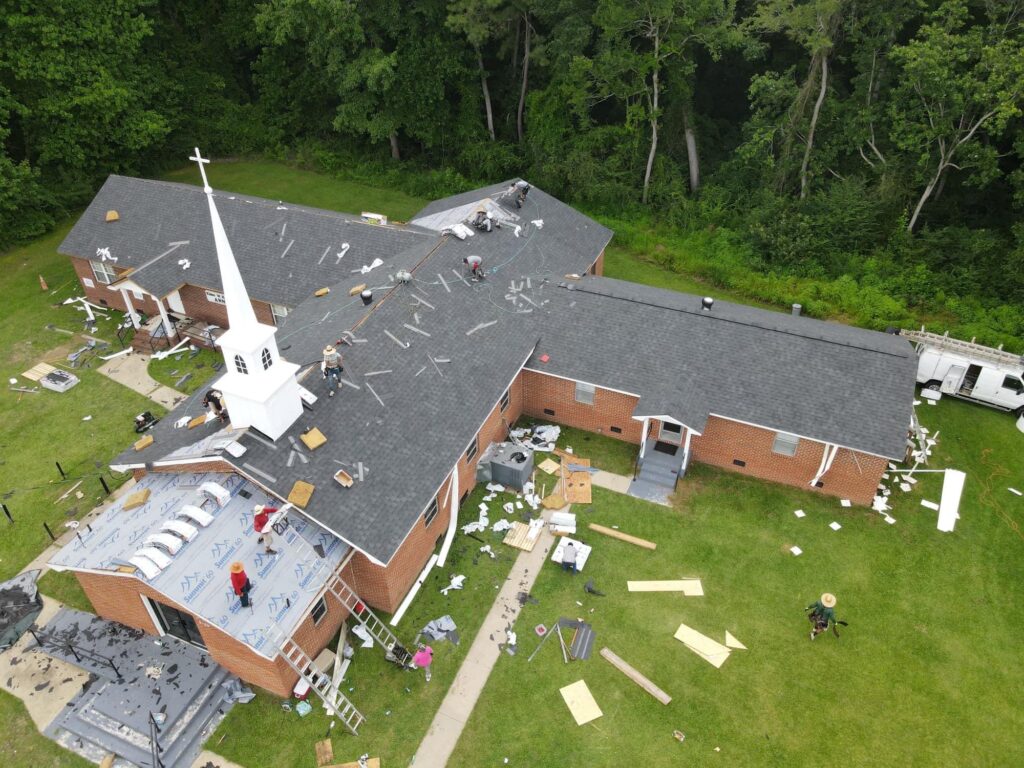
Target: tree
(813, 25)
(960, 85)
(477, 21)
(641, 38)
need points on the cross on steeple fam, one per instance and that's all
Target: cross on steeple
(201, 161)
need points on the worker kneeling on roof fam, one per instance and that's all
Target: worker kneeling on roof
(475, 264)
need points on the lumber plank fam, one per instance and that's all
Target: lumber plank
(628, 670)
(689, 587)
(622, 536)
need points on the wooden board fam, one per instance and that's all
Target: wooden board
(343, 478)
(37, 371)
(554, 501)
(136, 499)
(373, 762)
(635, 676)
(548, 466)
(324, 753)
(198, 421)
(710, 650)
(622, 536)
(518, 536)
(580, 702)
(313, 439)
(143, 442)
(689, 587)
(301, 493)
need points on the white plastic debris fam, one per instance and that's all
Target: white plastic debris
(834, 525)
(456, 583)
(799, 513)
(501, 525)
(486, 549)
(845, 502)
(1015, 492)
(796, 550)
(496, 487)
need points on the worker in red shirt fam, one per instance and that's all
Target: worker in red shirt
(261, 523)
(240, 583)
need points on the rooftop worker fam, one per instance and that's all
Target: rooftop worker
(521, 188)
(240, 583)
(569, 557)
(484, 221)
(214, 400)
(475, 264)
(822, 615)
(331, 368)
(261, 524)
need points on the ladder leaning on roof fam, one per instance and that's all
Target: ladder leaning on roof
(299, 660)
(394, 651)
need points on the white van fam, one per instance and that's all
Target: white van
(969, 371)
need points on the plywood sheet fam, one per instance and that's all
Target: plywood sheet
(38, 371)
(373, 762)
(710, 650)
(580, 702)
(732, 642)
(548, 466)
(689, 587)
(198, 421)
(313, 439)
(577, 488)
(143, 442)
(521, 536)
(136, 499)
(301, 493)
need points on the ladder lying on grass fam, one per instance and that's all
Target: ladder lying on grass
(319, 682)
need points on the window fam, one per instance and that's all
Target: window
(1014, 384)
(319, 610)
(104, 273)
(471, 451)
(240, 364)
(215, 297)
(668, 426)
(505, 400)
(428, 518)
(139, 295)
(279, 312)
(584, 393)
(266, 359)
(785, 444)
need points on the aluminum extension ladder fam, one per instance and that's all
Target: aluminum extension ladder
(320, 683)
(395, 651)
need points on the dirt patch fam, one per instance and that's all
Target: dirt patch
(685, 490)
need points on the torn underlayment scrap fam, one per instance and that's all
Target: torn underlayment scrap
(442, 628)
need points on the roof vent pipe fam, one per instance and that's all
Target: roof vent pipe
(796, 310)
(366, 296)
(706, 303)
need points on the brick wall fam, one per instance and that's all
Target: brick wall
(853, 475)
(119, 598)
(193, 299)
(610, 409)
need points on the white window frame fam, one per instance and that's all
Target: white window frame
(317, 607)
(266, 359)
(241, 366)
(103, 272)
(785, 444)
(506, 399)
(585, 393)
(215, 297)
(473, 448)
(279, 313)
(431, 513)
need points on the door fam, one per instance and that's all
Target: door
(177, 623)
(175, 303)
(671, 433)
(951, 383)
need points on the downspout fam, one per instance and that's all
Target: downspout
(827, 457)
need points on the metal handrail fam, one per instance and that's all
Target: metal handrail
(78, 652)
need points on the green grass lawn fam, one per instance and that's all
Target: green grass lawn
(927, 673)
(171, 370)
(604, 452)
(398, 704)
(22, 747)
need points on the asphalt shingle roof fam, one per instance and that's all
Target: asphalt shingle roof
(285, 251)
(431, 357)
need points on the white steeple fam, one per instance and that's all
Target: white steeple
(260, 388)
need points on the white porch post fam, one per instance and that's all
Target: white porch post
(643, 437)
(686, 448)
(132, 314)
(171, 333)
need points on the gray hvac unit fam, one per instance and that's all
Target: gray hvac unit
(511, 465)
(59, 381)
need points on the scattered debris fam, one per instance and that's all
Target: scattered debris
(622, 536)
(732, 642)
(710, 650)
(689, 587)
(800, 513)
(834, 525)
(580, 702)
(456, 583)
(845, 502)
(635, 676)
(1015, 492)
(796, 550)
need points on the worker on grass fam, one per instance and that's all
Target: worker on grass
(569, 557)
(423, 659)
(331, 368)
(475, 265)
(822, 615)
(261, 524)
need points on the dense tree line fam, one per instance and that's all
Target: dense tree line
(871, 144)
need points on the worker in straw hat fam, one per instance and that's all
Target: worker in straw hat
(261, 524)
(822, 614)
(240, 583)
(331, 367)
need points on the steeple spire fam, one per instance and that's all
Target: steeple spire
(236, 298)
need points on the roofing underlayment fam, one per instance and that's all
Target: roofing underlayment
(429, 358)
(197, 578)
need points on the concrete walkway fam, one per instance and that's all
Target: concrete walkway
(132, 370)
(611, 481)
(443, 734)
